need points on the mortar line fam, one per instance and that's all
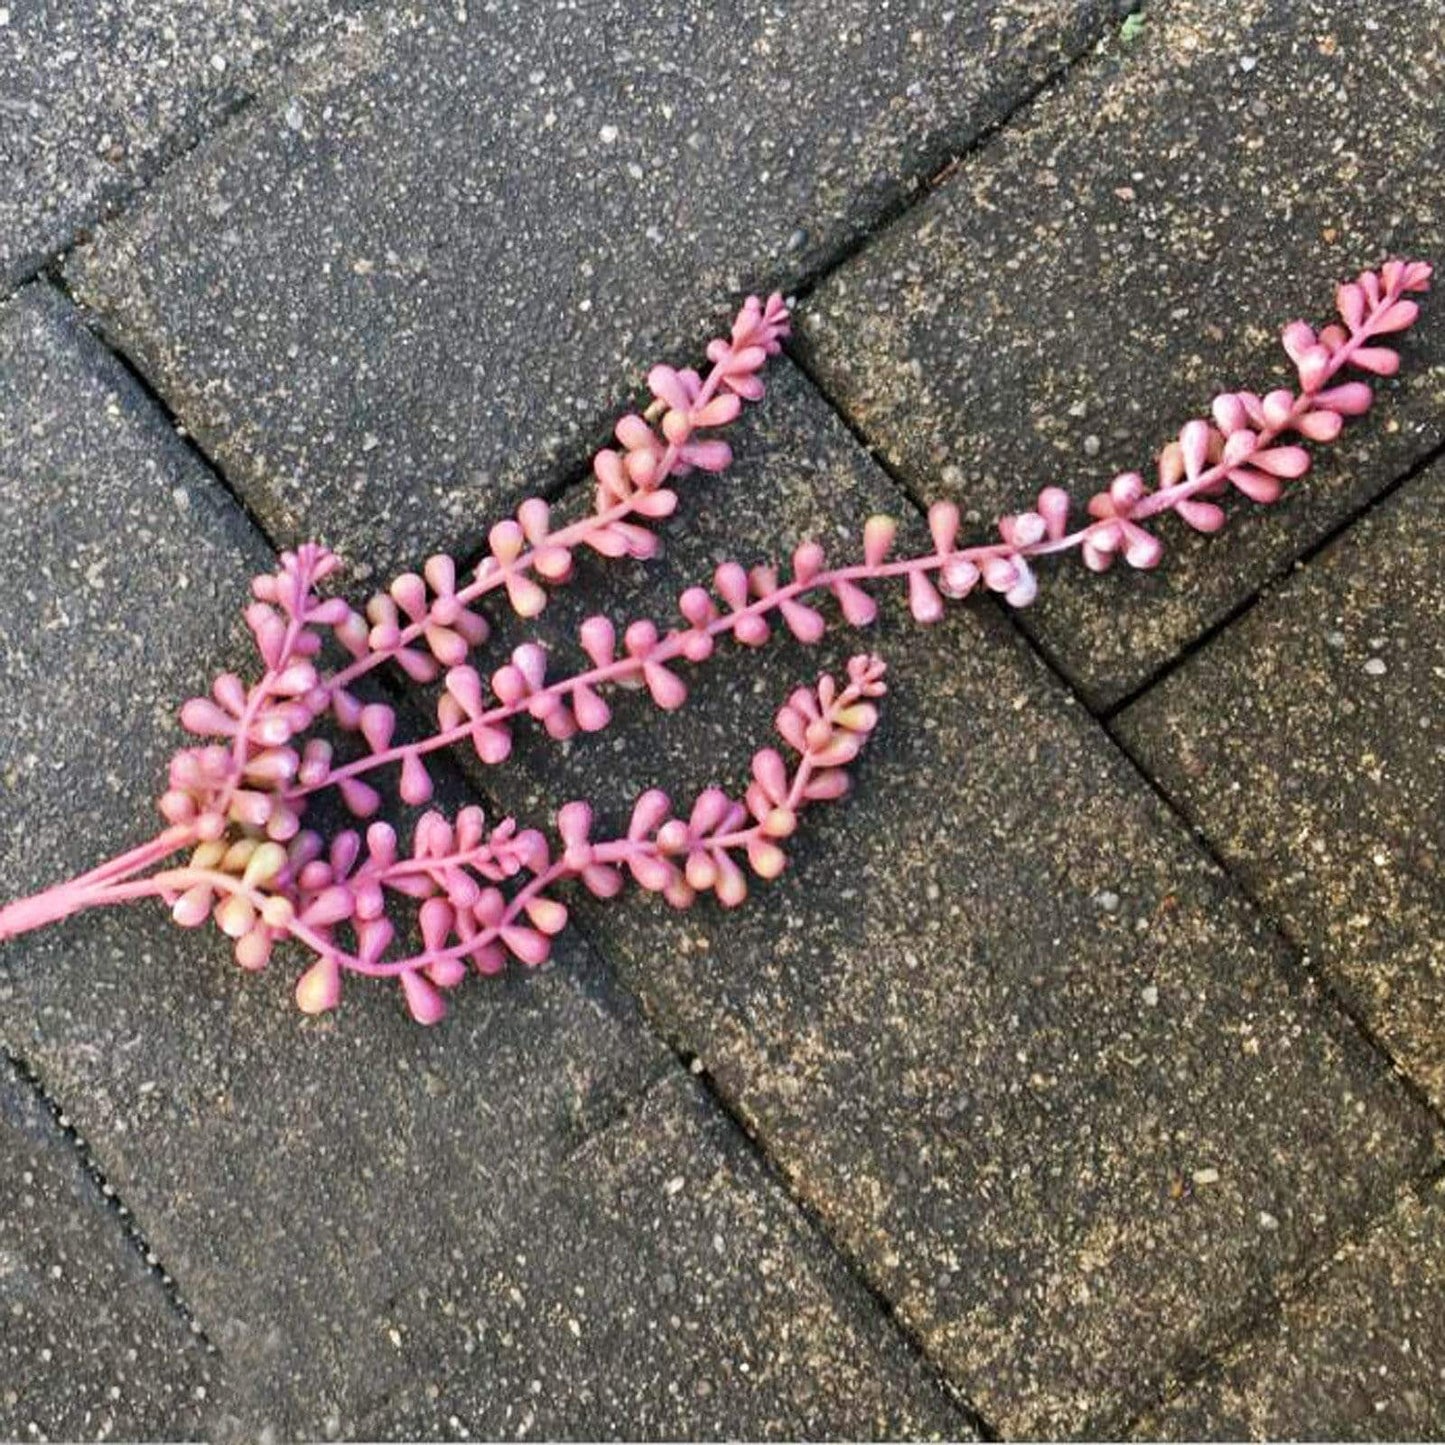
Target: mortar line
(113, 1203)
(1280, 576)
(949, 155)
(110, 204)
(692, 1064)
(213, 469)
(1300, 1287)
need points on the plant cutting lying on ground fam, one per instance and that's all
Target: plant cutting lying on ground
(486, 892)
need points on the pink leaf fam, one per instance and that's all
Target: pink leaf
(361, 798)
(1378, 359)
(923, 600)
(858, 607)
(416, 785)
(425, 1003)
(319, 988)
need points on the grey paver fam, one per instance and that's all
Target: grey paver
(1359, 1355)
(1098, 272)
(430, 270)
(90, 1347)
(94, 96)
(1004, 1026)
(1324, 791)
(668, 1289)
(323, 1194)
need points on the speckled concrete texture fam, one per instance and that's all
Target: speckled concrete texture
(1359, 1355)
(1325, 790)
(336, 1200)
(1068, 1101)
(1092, 277)
(419, 281)
(96, 95)
(90, 1347)
(661, 1288)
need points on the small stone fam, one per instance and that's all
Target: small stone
(1248, 62)
(1107, 900)
(1375, 667)
(1150, 995)
(1205, 1176)
(607, 135)
(1267, 1221)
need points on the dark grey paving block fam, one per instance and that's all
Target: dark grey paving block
(1325, 787)
(95, 96)
(1090, 280)
(414, 285)
(1359, 1355)
(315, 1189)
(663, 1289)
(90, 1347)
(1024, 1049)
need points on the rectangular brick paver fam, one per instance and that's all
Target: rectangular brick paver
(1071, 1105)
(1101, 269)
(90, 1346)
(337, 1201)
(403, 290)
(95, 96)
(1358, 1355)
(1324, 789)
(660, 1288)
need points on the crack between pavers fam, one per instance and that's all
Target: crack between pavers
(950, 155)
(113, 1203)
(1280, 576)
(53, 277)
(775, 1175)
(1254, 1328)
(115, 201)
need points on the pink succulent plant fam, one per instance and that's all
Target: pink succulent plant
(485, 892)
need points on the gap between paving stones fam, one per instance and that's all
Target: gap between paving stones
(1279, 578)
(1272, 1311)
(115, 1205)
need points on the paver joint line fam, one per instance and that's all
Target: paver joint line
(116, 1205)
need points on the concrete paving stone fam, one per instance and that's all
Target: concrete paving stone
(1072, 1106)
(90, 1347)
(423, 278)
(297, 1179)
(663, 1288)
(1131, 246)
(1324, 791)
(96, 95)
(1358, 1355)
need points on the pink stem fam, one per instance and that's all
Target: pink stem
(76, 894)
